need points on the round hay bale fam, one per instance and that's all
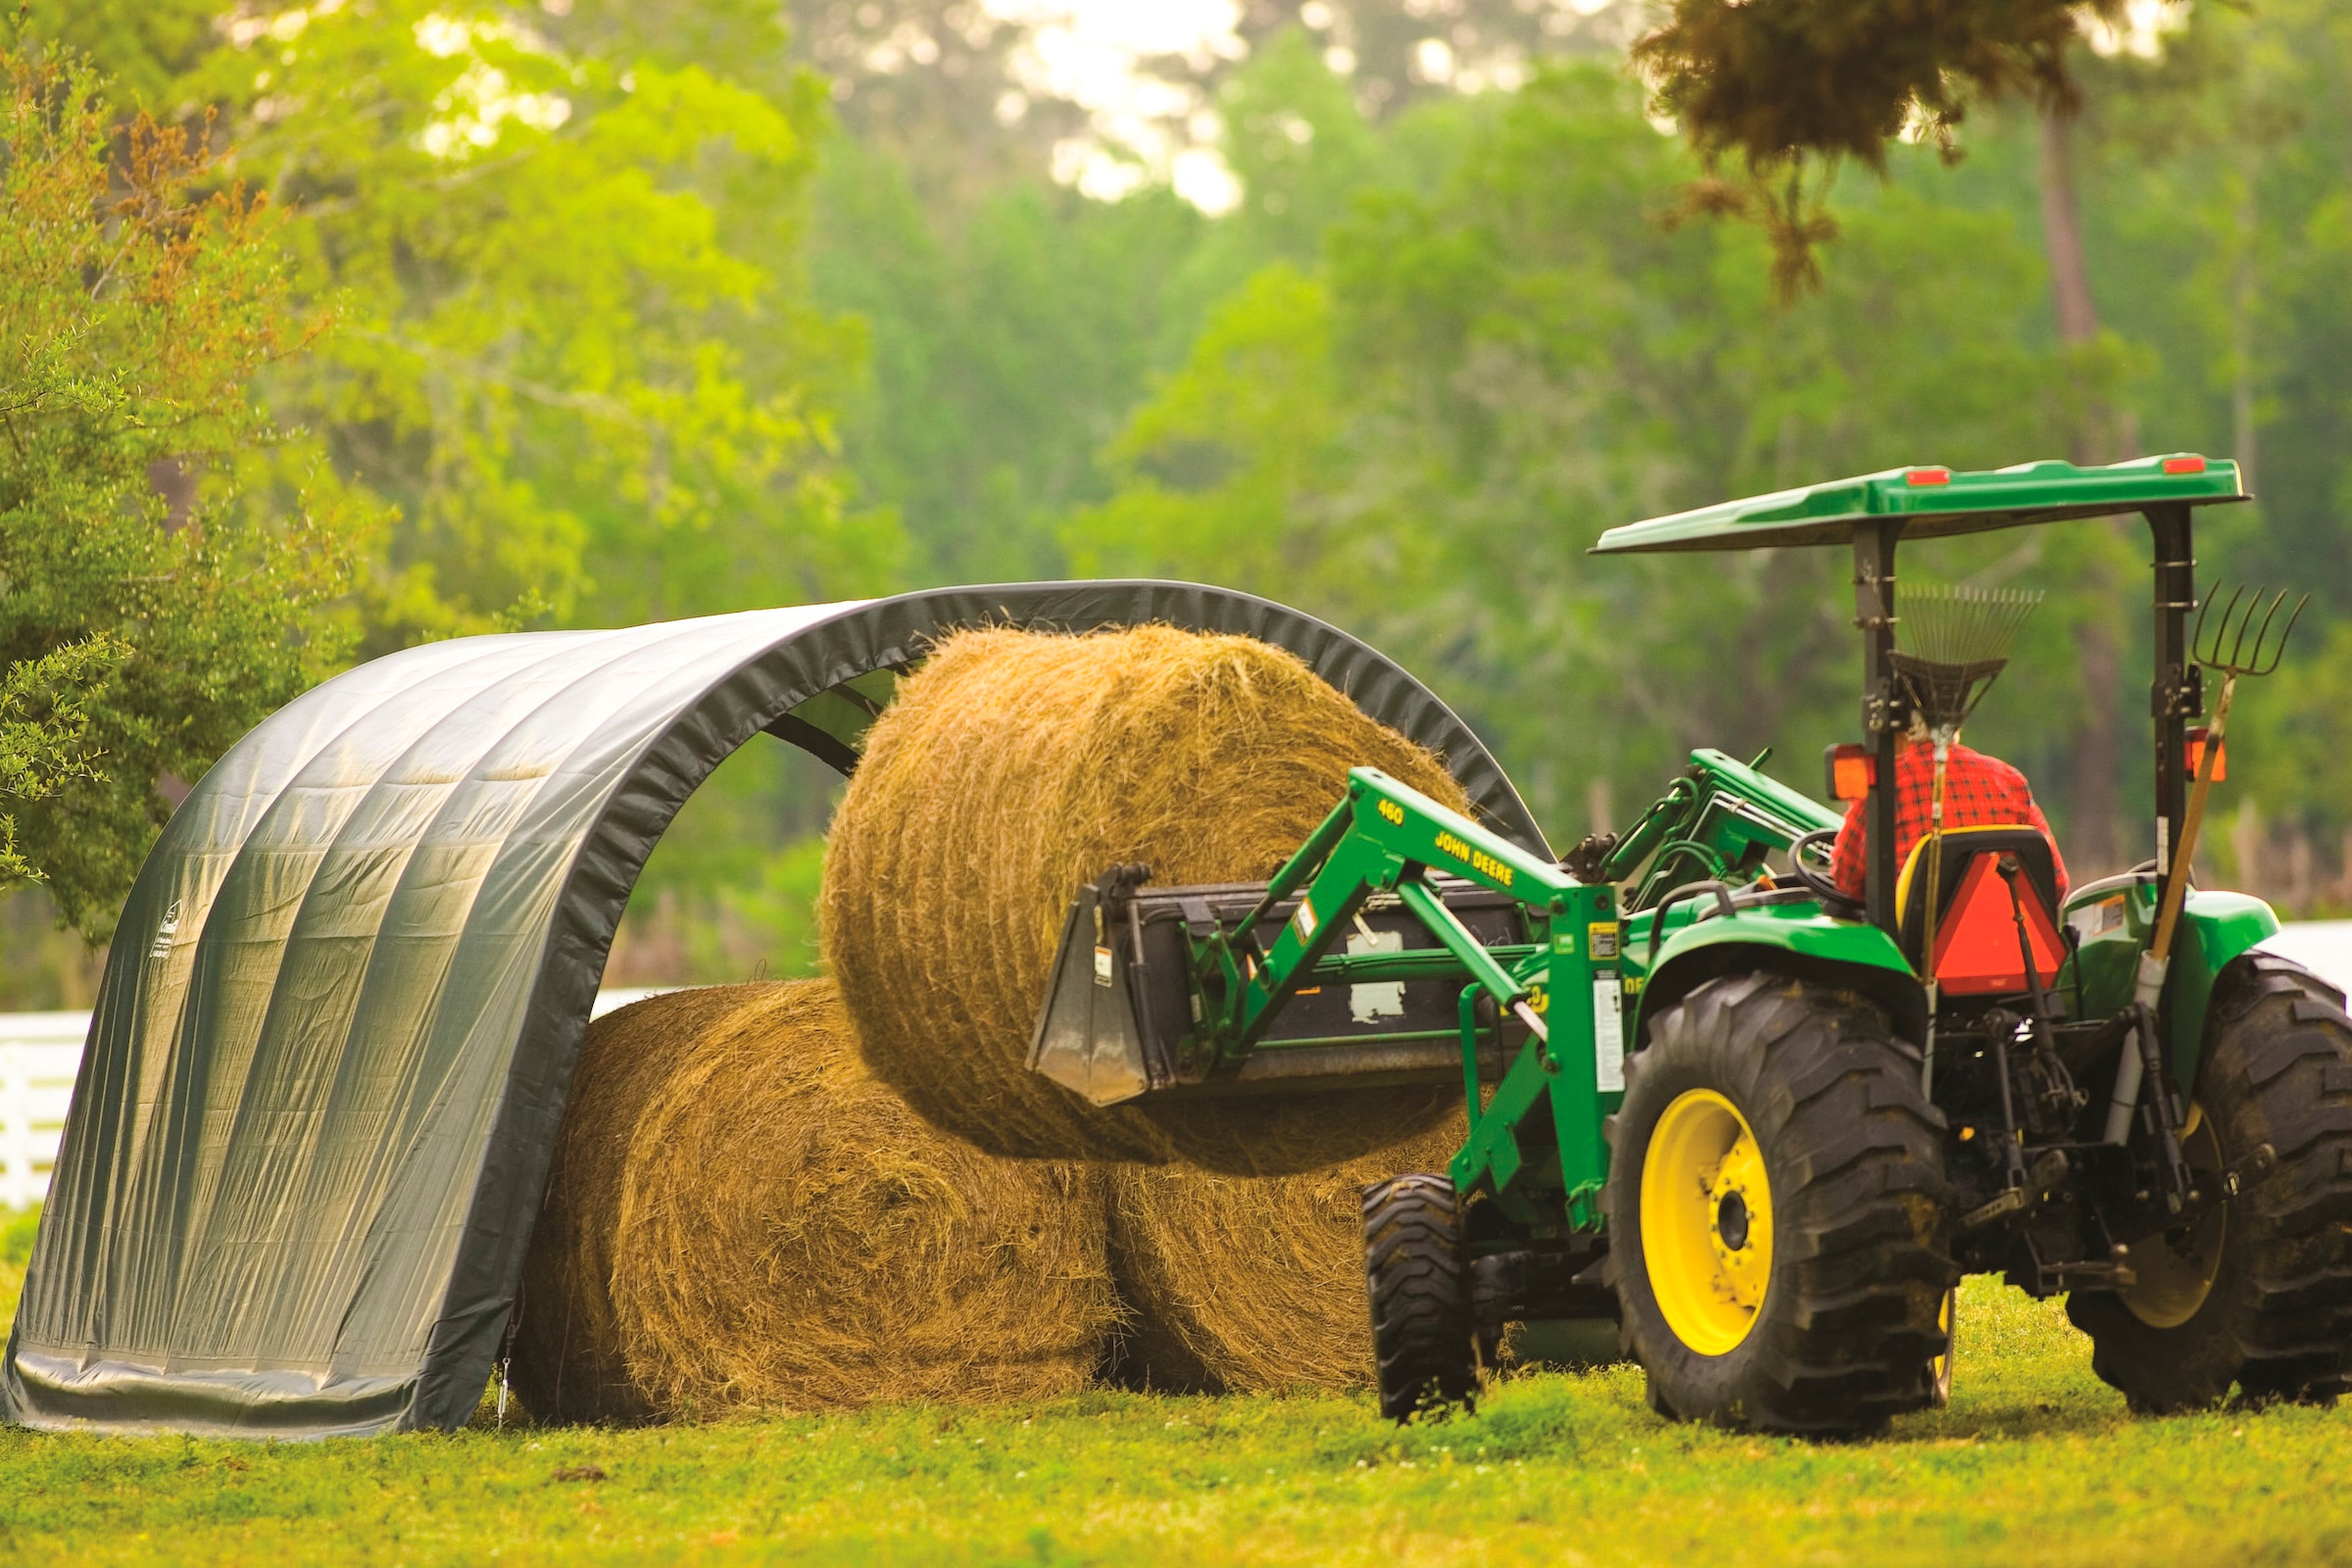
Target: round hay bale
(1014, 767)
(566, 1360)
(1146, 1355)
(1258, 1280)
(746, 1218)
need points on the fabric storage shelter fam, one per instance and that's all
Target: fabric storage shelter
(340, 1016)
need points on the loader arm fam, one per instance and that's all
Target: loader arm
(1380, 838)
(1192, 991)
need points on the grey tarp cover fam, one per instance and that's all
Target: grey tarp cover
(329, 1059)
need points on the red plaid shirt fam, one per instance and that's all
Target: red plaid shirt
(1979, 791)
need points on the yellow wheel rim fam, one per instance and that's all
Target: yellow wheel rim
(2175, 1273)
(1706, 1221)
(1939, 1370)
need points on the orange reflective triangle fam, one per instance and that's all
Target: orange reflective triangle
(1976, 944)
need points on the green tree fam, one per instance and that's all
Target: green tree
(1297, 141)
(1222, 469)
(160, 587)
(2227, 237)
(1008, 340)
(139, 47)
(579, 354)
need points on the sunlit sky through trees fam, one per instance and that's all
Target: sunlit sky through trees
(1148, 124)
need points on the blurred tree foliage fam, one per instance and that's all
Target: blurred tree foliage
(160, 582)
(566, 241)
(1007, 342)
(968, 96)
(656, 309)
(1014, 329)
(577, 355)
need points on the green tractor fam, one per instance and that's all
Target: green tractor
(1763, 1124)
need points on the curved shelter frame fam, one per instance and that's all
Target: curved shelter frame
(329, 1059)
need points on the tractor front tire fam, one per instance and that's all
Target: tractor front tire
(1778, 1212)
(2260, 1296)
(1424, 1337)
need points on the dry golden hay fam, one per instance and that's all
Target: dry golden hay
(1258, 1280)
(567, 1364)
(743, 1217)
(1013, 768)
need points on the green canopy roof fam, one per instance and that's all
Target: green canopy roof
(1934, 502)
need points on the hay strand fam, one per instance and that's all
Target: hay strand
(1258, 1281)
(1015, 767)
(769, 1227)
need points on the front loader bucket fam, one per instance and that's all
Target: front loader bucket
(1087, 1040)
(1120, 1009)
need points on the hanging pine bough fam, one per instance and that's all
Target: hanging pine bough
(1781, 91)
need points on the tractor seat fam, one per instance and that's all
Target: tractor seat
(1977, 950)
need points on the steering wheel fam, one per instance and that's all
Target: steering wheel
(1816, 842)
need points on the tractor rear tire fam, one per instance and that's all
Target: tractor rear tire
(2272, 1312)
(1795, 1281)
(1424, 1335)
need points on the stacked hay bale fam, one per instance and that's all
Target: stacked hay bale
(568, 1363)
(1013, 768)
(745, 1208)
(740, 1215)
(1252, 1282)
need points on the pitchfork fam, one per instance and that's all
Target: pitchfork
(2234, 629)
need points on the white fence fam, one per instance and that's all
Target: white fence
(39, 1054)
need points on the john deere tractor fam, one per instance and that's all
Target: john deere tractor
(1766, 1125)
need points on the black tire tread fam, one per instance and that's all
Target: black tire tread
(1418, 1283)
(2279, 1068)
(1861, 1211)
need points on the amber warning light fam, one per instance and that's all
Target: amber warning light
(2196, 748)
(1852, 771)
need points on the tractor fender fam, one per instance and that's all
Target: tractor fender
(2216, 929)
(2116, 917)
(1813, 947)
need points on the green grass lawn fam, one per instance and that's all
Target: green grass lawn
(2034, 1462)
